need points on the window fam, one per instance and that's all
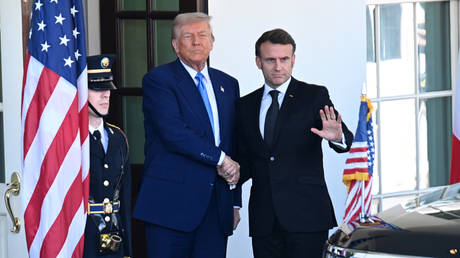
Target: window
(409, 82)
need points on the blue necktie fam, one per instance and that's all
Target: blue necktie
(204, 95)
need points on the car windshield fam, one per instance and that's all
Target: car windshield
(438, 203)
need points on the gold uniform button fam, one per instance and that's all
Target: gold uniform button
(106, 183)
(106, 165)
(107, 218)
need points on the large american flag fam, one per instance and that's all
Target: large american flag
(359, 166)
(55, 130)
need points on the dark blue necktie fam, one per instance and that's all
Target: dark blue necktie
(270, 119)
(204, 95)
(97, 137)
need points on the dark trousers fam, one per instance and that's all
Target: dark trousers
(283, 244)
(207, 241)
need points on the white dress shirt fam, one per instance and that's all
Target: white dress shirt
(104, 135)
(267, 101)
(212, 101)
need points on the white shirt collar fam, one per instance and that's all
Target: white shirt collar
(282, 88)
(193, 72)
(100, 128)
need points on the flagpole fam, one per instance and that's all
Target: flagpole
(362, 214)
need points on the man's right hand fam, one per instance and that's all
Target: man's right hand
(229, 170)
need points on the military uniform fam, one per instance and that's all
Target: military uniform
(105, 170)
(108, 212)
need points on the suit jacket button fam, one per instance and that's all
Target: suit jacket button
(272, 158)
(106, 183)
(106, 165)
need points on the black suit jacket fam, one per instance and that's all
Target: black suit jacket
(287, 180)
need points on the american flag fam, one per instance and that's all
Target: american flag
(359, 165)
(55, 145)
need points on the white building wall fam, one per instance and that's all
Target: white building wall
(331, 51)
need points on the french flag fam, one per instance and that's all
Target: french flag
(455, 159)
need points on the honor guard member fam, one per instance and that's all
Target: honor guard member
(108, 225)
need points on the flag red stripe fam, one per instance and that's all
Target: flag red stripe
(84, 130)
(84, 134)
(455, 160)
(361, 149)
(356, 160)
(353, 202)
(78, 252)
(57, 234)
(49, 169)
(26, 68)
(352, 184)
(86, 192)
(368, 200)
(46, 85)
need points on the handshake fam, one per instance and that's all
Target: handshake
(230, 171)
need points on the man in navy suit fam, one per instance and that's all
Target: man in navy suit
(280, 129)
(186, 198)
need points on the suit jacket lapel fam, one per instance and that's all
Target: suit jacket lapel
(255, 117)
(192, 95)
(286, 108)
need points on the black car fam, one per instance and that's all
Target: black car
(428, 226)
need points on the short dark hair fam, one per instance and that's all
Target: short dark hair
(276, 36)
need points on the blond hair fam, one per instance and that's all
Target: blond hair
(189, 18)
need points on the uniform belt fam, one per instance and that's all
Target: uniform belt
(103, 208)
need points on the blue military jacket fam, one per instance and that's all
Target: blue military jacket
(105, 170)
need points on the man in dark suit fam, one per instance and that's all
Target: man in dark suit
(189, 108)
(280, 129)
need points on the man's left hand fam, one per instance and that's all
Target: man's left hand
(332, 125)
(236, 217)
